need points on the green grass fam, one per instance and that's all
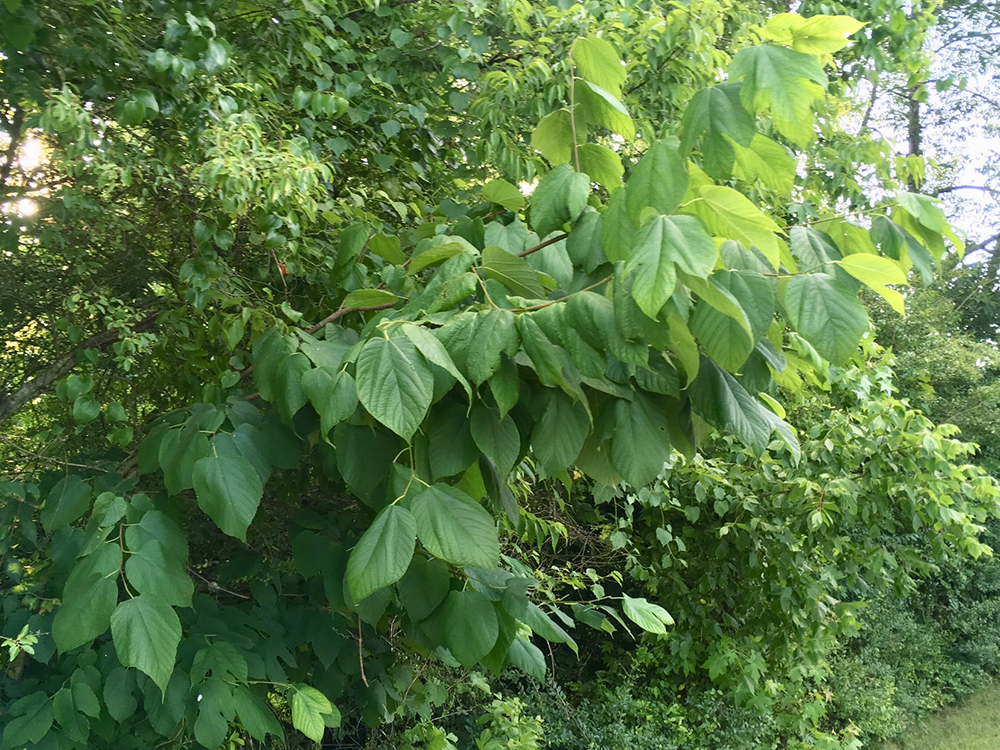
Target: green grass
(974, 725)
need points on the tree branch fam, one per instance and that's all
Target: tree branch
(41, 381)
(15, 143)
(953, 188)
(542, 246)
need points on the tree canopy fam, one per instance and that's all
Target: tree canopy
(299, 300)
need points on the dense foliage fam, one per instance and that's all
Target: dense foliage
(351, 346)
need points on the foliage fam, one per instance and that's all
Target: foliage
(291, 257)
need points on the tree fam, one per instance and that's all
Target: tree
(281, 275)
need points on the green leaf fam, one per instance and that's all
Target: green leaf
(553, 137)
(926, 211)
(511, 271)
(309, 706)
(650, 617)
(424, 587)
(730, 214)
(507, 195)
(682, 344)
(118, 694)
(229, 491)
(731, 321)
(454, 527)
(527, 657)
(153, 569)
(215, 710)
(659, 181)
(617, 229)
(255, 716)
(89, 598)
(435, 255)
(179, 450)
(368, 298)
(221, 660)
(712, 115)
(559, 435)
(470, 626)
(664, 242)
(395, 383)
(86, 409)
(816, 35)
(541, 624)
(28, 720)
(640, 441)
(559, 197)
(875, 272)
(767, 161)
(597, 106)
(332, 393)
(383, 553)
(597, 62)
(494, 333)
(66, 502)
(387, 247)
(436, 353)
(498, 438)
(828, 315)
(592, 316)
(720, 400)
(601, 164)
(146, 631)
(783, 82)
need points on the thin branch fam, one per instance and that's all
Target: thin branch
(991, 191)
(49, 459)
(542, 246)
(868, 112)
(15, 133)
(338, 314)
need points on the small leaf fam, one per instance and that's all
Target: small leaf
(650, 617)
(383, 553)
(368, 298)
(507, 195)
(146, 631)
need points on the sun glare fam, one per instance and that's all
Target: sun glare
(31, 155)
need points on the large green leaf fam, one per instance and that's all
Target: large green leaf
(592, 316)
(497, 438)
(720, 400)
(455, 528)
(216, 710)
(597, 61)
(601, 164)
(470, 626)
(89, 598)
(617, 229)
(332, 393)
(66, 502)
(424, 587)
(640, 441)
(27, 720)
(827, 314)
(508, 196)
(154, 569)
(783, 82)
(309, 707)
(511, 271)
(436, 353)
(712, 115)
(179, 450)
(724, 337)
(662, 243)
(146, 631)
(229, 491)
(553, 137)
(559, 435)
(816, 35)
(383, 553)
(395, 383)
(598, 106)
(559, 197)
(728, 213)
(659, 181)
(255, 716)
(767, 161)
